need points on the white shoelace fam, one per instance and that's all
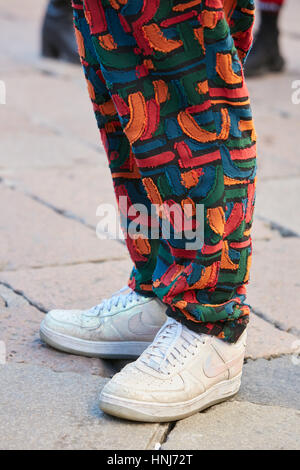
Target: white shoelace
(116, 300)
(172, 344)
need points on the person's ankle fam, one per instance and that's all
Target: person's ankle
(269, 23)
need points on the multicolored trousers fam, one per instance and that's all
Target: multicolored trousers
(166, 81)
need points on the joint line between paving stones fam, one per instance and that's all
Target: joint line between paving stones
(63, 265)
(62, 212)
(21, 294)
(5, 301)
(283, 231)
(275, 324)
(62, 133)
(170, 428)
(160, 435)
(292, 35)
(270, 358)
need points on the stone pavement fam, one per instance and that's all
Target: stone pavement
(53, 175)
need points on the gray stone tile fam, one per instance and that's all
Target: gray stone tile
(277, 155)
(42, 409)
(78, 190)
(43, 151)
(274, 288)
(266, 341)
(238, 426)
(271, 96)
(61, 105)
(19, 329)
(34, 235)
(275, 382)
(262, 230)
(278, 201)
(76, 286)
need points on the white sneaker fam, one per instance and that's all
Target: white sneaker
(181, 373)
(120, 327)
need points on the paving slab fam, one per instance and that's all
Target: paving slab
(76, 286)
(39, 145)
(277, 122)
(34, 150)
(60, 105)
(290, 47)
(19, 329)
(78, 190)
(266, 341)
(275, 382)
(22, 30)
(31, 13)
(274, 289)
(22, 41)
(59, 411)
(238, 426)
(271, 95)
(32, 235)
(278, 201)
(277, 155)
(13, 120)
(262, 230)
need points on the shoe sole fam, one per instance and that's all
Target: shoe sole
(102, 349)
(162, 412)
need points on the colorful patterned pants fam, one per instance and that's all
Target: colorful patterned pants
(166, 81)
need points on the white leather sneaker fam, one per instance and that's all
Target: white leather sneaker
(120, 327)
(181, 373)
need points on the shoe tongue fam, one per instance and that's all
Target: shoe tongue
(162, 344)
(172, 339)
(109, 303)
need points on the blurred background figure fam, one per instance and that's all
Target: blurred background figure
(265, 54)
(58, 38)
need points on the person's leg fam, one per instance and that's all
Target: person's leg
(189, 124)
(270, 5)
(183, 105)
(125, 173)
(124, 325)
(265, 55)
(57, 35)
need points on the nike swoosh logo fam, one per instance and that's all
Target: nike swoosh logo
(212, 370)
(138, 327)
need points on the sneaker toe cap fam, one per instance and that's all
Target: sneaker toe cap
(138, 387)
(116, 390)
(62, 321)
